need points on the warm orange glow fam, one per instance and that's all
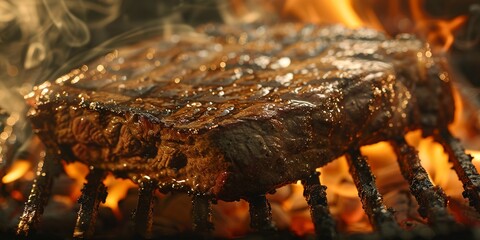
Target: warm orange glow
(342, 194)
(17, 195)
(302, 225)
(382, 153)
(18, 169)
(439, 32)
(117, 190)
(345, 205)
(324, 11)
(434, 160)
(476, 158)
(335, 175)
(458, 110)
(300, 221)
(77, 171)
(412, 18)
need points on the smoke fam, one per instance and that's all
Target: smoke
(43, 39)
(36, 37)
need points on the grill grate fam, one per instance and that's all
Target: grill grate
(316, 197)
(462, 164)
(47, 170)
(93, 192)
(381, 218)
(144, 214)
(432, 200)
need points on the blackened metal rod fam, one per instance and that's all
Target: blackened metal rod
(93, 192)
(47, 170)
(463, 166)
(260, 214)
(202, 214)
(380, 217)
(431, 199)
(316, 197)
(143, 217)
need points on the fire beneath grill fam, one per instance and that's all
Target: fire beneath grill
(371, 191)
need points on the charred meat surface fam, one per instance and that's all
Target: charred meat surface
(237, 111)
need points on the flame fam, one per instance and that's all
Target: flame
(77, 171)
(342, 193)
(336, 176)
(18, 169)
(459, 118)
(340, 11)
(402, 16)
(438, 32)
(397, 16)
(117, 190)
(476, 158)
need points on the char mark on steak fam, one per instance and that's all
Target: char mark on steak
(231, 112)
(251, 114)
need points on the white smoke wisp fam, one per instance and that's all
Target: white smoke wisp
(42, 39)
(38, 36)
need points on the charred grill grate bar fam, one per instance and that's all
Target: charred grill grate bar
(260, 214)
(432, 200)
(316, 197)
(462, 164)
(381, 218)
(143, 217)
(202, 214)
(93, 192)
(47, 170)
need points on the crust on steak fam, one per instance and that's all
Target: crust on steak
(243, 110)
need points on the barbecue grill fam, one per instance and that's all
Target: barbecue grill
(72, 96)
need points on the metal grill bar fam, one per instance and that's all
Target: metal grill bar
(143, 217)
(202, 214)
(462, 164)
(93, 192)
(381, 218)
(260, 214)
(431, 199)
(47, 170)
(316, 197)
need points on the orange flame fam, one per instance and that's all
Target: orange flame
(438, 32)
(476, 158)
(339, 11)
(117, 190)
(342, 193)
(18, 169)
(402, 16)
(77, 171)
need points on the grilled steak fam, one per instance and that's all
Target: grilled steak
(234, 112)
